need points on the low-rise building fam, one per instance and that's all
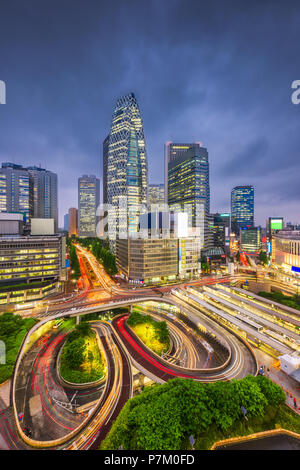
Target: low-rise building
(286, 250)
(250, 240)
(31, 266)
(148, 261)
(158, 260)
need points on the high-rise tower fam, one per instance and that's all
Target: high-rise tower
(242, 208)
(127, 169)
(88, 202)
(16, 190)
(187, 182)
(45, 204)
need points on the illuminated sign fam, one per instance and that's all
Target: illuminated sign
(295, 269)
(276, 224)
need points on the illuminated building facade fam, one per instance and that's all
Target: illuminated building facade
(16, 190)
(127, 169)
(105, 147)
(88, 202)
(221, 231)
(286, 250)
(188, 184)
(38, 262)
(250, 240)
(158, 260)
(73, 222)
(147, 261)
(242, 208)
(31, 190)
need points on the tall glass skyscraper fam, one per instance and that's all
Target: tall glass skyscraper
(127, 168)
(16, 190)
(88, 202)
(31, 190)
(187, 184)
(242, 208)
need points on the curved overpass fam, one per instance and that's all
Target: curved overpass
(120, 345)
(118, 389)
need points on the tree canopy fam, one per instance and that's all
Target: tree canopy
(163, 416)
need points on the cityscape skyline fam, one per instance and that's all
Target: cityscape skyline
(149, 228)
(235, 98)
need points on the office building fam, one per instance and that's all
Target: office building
(45, 203)
(31, 190)
(66, 222)
(105, 148)
(73, 222)
(16, 190)
(250, 240)
(31, 266)
(147, 261)
(187, 185)
(127, 169)
(158, 260)
(221, 231)
(242, 208)
(88, 202)
(156, 195)
(286, 250)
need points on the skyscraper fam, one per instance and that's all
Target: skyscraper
(105, 163)
(16, 190)
(127, 169)
(187, 184)
(221, 231)
(66, 222)
(242, 208)
(31, 190)
(156, 194)
(88, 202)
(45, 204)
(73, 221)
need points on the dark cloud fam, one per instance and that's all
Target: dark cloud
(218, 72)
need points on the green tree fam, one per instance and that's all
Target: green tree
(74, 353)
(263, 257)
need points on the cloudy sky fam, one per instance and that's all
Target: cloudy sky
(219, 72)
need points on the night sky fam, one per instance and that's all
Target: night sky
(219, 72)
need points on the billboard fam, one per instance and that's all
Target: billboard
(276, 223)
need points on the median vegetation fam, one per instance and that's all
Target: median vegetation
(163, 417)
(75, 266)
(100, 250)
(81, 360)
(13, 329)
(154, 334)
